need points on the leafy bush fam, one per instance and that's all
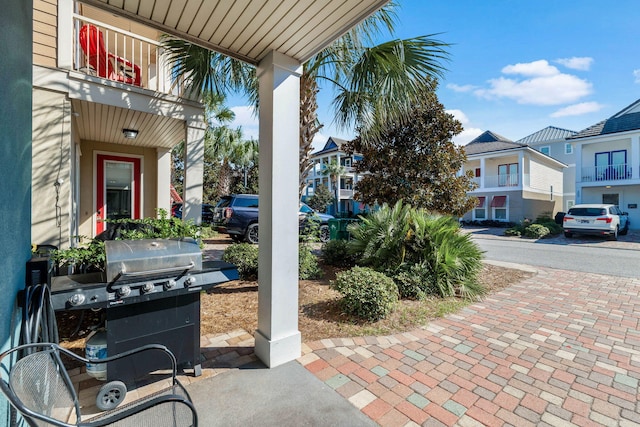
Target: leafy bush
(536, 231)
(414, 281)
(554, 228)
(245, 257)
(81, 259)
(308, 267)
(337, 253)
(322, 197)
(366, 293)
(394, 237)
(515, 231)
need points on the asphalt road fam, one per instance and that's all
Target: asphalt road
(591, 259)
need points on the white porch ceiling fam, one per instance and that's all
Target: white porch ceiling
(101, 122)
(249, 29)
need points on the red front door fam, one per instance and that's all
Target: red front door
(118, 189)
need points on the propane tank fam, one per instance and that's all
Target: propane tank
(96, 348)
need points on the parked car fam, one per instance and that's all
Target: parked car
(207, 212)
(597, 219)
(237, 216)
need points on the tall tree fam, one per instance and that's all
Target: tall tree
(415, 161)
(373, 83)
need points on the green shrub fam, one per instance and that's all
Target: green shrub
(515, 231)
(554, 228)
(308, 267)
(536, 231)
(337, 253)
(366, 293)
(414, 281)
(245, 257)
(393, 237)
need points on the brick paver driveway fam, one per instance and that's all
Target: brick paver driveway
(559, 349)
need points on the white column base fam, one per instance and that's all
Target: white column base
(277, 352)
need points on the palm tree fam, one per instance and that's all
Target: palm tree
(373, 83)
(334, 170)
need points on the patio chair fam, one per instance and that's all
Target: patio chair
(39, 387)
(106, 64)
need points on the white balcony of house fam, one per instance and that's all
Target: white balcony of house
(618, 172)
(502, 180)
(346, 194)
(108, 52)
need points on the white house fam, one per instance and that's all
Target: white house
(514, 180)
(608, 162)
(332, 152)
(553, 142)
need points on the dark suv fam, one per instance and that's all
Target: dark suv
(237, 216)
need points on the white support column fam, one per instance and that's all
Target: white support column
(521, 159)
(65, 34)
(635, 157)
(577, 154)
(193, 172)
(277, 339)
(483, 171)
(164, 181)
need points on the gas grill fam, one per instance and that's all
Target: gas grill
(150, 291)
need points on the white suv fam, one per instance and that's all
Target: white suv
(602, 220)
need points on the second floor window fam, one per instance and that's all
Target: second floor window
(546, 150)
(508, 175)
(568, 148)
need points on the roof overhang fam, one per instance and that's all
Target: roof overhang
(249, 29)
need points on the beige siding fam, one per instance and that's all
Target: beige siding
(51, 160)
(543, 177)
(45, 32)
(87, 179)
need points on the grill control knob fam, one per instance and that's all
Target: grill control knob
(148, 287)
(124, 291)
(169, 285)
(189, 281)
(76, 299)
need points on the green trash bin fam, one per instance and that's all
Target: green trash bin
(334, 229)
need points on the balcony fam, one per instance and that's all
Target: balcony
(502, 180)
(110, 53)
(346, 194)
(606, 173)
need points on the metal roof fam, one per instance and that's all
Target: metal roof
(249, 29)
(550, 133)
(489, 141)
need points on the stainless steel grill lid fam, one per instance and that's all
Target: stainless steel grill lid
(131, 258)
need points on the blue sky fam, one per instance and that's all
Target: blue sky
(519, 66)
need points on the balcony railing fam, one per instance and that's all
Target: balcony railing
(111, 53)
(606, 173)
(503, 180)
(346, 194)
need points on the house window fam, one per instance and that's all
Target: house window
(500, 208)
(546, 150)
(570, 203)
(568, 148)
(477, 172)
(480, 212)
(347, 162)
(611, 165)
(508, 175)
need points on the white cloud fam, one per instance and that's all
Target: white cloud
(466, 136)
(459, 115)
(535, 68)
(578, 109)
(544, 85)
(636, 74)
(458, 88)
(246, 118)
(576, 63)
